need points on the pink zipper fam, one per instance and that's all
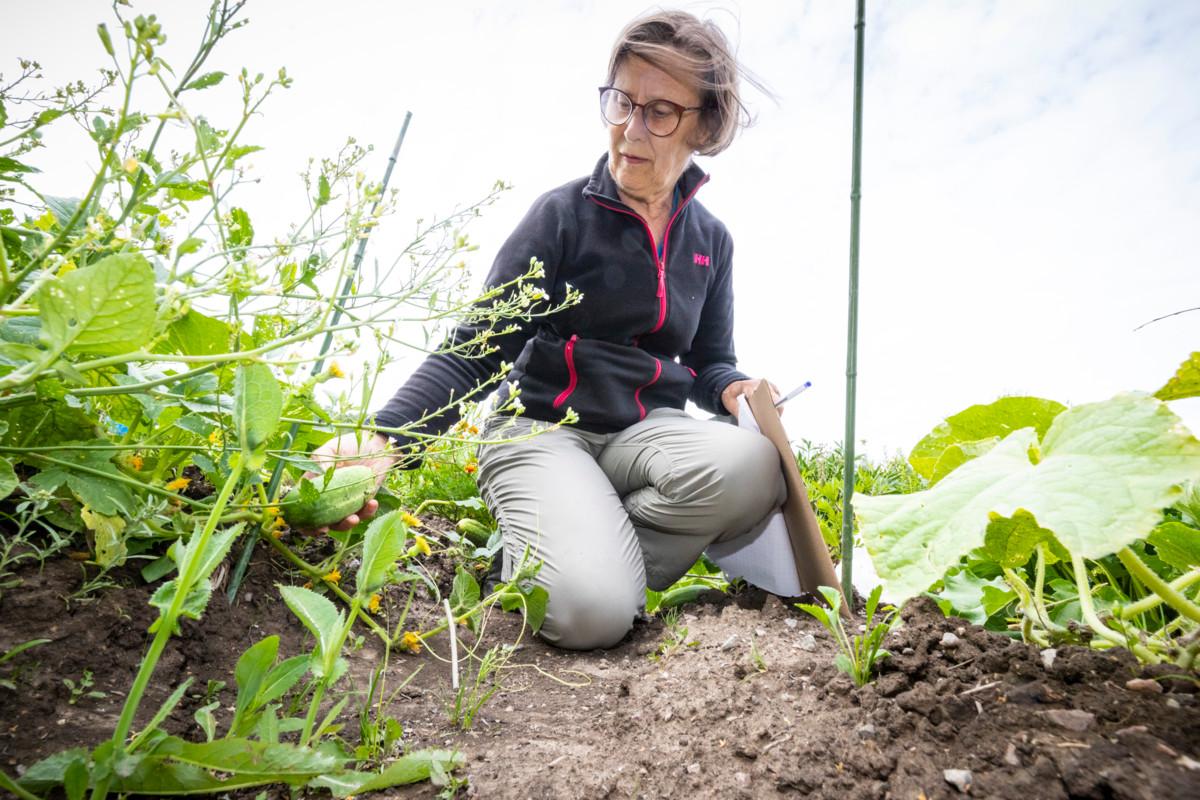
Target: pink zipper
(638, 392)
(660, 263)
(569, 354)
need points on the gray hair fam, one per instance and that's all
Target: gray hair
(697, 52)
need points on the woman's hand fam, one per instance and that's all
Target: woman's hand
(731, 393)
(349, 450)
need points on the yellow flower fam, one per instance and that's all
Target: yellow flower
(373, 604)
(215, 436)
(130, 165)
(422, 546)
(410, 520)
(474, 431)
(470, 468)
(135, 461)
(333, 576)
(178, 483)
(335, 371)
(411, 642)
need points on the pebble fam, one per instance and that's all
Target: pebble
(741, 779)
(694, 768)
(865, 731)
(949, 641)
(1188, 763)
(760, 632)
(1071, 719)
(1048, 656)
(807, 643)
(1147, 685)
(1173, 703)
(908, 651)
(959, 778)
(791, 623)
(1010, 756)
(729, 643)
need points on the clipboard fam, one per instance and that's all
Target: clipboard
(814, 567)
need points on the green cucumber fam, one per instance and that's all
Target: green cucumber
(476, 531)
(349, 488)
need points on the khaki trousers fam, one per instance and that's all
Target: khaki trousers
(610, 514)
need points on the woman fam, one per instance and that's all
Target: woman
(630, 496)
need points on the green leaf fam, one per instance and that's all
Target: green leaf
(192, 607)
(75, 781)
(1177, 544)
(188, 246)
(318, 614)
(105, 496)
(8, 478)
(1106, 471)
(1010, 541)
(215, 549)
(195, 334)
(1185, 382)
(964, 594)
(105, 309)
(241, 232)
(971, 433)
(383, 544)
(105, 39)
(322, 190)
(411, 768)
(282, 678)
(204, 81)
(258, 404)
(63, 208)
(237, 152)
(10, 166)
(536, 599)
(106, 531)
(248, 757)
(163, 712)
(464, 594)
(251, 671)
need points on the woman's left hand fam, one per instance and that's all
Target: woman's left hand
(729, 397)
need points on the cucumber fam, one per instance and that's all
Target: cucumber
(348, 490)
(475, 531)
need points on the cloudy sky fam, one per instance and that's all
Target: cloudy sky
(1031, 188)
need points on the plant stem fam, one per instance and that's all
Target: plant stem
(1151, 601)
(1147, 576)
(1088, 612)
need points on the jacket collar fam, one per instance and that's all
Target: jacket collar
(602, 185)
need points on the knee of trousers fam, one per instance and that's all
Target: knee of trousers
(751, 484)
(587, 615)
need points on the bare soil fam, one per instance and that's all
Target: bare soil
(705, 719)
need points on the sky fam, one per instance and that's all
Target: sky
(1031, 172)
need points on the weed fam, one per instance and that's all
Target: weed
(859, 654)
(675, 638)
(474, 691)
(756, 656)
(82, 689)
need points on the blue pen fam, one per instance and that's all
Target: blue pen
(793, 393)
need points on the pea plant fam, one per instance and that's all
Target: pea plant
(1075, 525)
(161, 359)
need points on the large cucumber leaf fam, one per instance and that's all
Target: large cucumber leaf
(1099, 482)
(105, 309)
(971, 433)
(257, 406)
(1185, 382)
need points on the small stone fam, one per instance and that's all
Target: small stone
(665, 715)
(791, 623)
(760, 632)
(959, 778)
(949, 641)
(1048, 656)
(908, 651)
(865, 731)
(694, 768)
(1188, 763)
(729, 643)
(1147, 685)
(1010, 755)
(741, 779)
(807, 643)
(248, 597)
(1173, 703)
(509, 709)
(1071, 719)
(1131, 730)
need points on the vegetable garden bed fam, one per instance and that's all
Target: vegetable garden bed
(691, 709)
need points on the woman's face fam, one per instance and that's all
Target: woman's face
(646, 166)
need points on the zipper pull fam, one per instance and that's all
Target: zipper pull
(662, 280)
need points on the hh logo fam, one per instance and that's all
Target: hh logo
(701, 260)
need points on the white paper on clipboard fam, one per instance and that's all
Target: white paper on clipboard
(762, 557)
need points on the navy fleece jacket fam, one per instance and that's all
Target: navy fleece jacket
(648, 333)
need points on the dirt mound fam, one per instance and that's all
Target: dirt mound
(743, 703)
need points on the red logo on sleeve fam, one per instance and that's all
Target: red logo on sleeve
(701, 260)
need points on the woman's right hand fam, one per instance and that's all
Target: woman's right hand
(352, 449)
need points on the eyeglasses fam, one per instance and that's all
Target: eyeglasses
(661, 117)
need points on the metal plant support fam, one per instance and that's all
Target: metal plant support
(852, 323)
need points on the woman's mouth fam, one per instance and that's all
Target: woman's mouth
(634, 160)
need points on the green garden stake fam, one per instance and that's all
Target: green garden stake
(852, 323)
(239, 572)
